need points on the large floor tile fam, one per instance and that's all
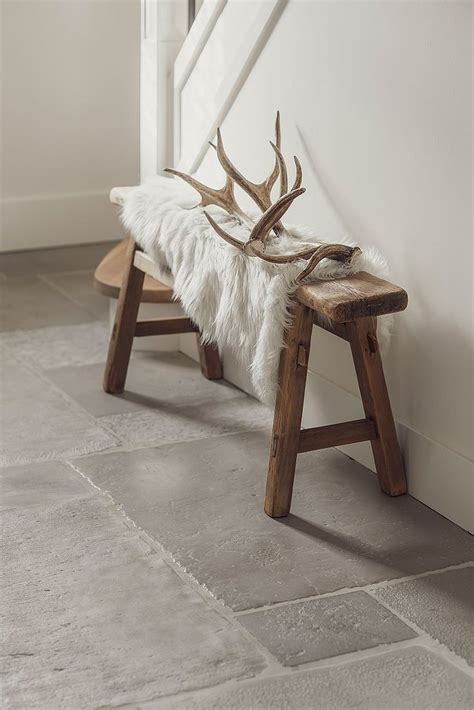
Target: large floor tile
(440, 604)
(29, 302)
(321, 628)
(175, 423)
(39, 484)
(204, 501)
(85, 256)
(409, 679)
(61, 346)
(96, 618)
(38, 423)
(154, 380)
(78, 287)
(17, 263)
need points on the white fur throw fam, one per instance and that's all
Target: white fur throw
(238, 302)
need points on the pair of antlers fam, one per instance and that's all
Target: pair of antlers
(272, 212)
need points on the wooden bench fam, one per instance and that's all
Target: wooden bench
(348, 308)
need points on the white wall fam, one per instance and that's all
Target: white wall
(70, 118)
(380, 93)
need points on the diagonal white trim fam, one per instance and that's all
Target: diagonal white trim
(233, 73)
(189, 54)
(196, 40)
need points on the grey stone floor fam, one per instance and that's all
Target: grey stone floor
(139, 569)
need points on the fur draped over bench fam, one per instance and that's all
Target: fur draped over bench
(239, 303)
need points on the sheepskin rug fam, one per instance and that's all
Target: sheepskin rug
(239, 302)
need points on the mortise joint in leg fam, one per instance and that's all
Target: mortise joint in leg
(372, 343)
(274, 445)
(302, 358)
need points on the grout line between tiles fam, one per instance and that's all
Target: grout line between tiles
(274, 667)
(129, 447)
(64, 293)
(188, 579)
(285, 672)
(75, 406)
(187, 576)
(436, 646)
(346, 590)
(120, 446)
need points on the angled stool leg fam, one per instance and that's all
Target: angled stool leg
(121, 339)
(288, 413)
(368, 365)
(209, 358)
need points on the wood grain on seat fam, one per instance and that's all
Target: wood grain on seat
(357, 296)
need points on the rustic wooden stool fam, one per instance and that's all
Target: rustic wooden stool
(345, 307)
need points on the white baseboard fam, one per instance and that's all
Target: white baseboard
(37, 221)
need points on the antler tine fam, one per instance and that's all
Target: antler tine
(253, 249)
(249, 187)
(259, 192)
(282, 168)
(222, 233)
(272, 215)
(284, 172)
(223, 198)
(272, 178)
(207, 193)
(299, 174)
(338, 252)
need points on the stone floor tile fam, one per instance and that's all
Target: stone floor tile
(17, 263)
(78, 287)
(61, 346)
(39, 484)
(38, 423)
(71, 258)
(153, 381)
(204, 501)
(176, 423)
(408, 679)
(96, 618)
(29, 302)
(57, 259)
(321, 628)
(440, 604)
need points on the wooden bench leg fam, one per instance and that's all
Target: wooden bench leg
(368, 364)
(209, 358)
(288, 413)
(123, 332)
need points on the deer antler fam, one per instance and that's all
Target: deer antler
(270, 221)
(222, 198)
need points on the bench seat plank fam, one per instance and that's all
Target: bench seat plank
(358, 296)
(108, 278)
